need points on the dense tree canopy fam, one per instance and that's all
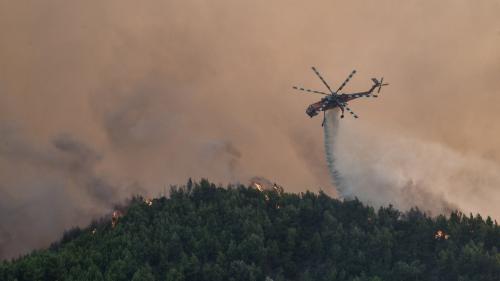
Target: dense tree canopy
(204, 232)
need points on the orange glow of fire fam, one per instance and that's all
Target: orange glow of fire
(258, 186)
(114, 219)
(441, 235)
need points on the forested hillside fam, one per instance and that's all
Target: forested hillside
(204, 232)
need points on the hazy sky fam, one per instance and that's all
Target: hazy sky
(103, 99)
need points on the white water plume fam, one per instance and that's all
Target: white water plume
(381, 169)
(330, 130)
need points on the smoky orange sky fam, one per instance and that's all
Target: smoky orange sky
(100, 100)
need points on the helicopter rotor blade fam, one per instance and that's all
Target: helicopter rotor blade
(381, 84)
(346, 80)
(350, 111)
(323, 80)
(309, 90)
(363, 95)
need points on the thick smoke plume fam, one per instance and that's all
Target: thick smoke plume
(381, 169)
(103, 99)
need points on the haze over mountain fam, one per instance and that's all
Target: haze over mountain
(101, 100)
(204, 232)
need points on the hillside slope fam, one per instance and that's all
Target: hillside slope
(204, 232)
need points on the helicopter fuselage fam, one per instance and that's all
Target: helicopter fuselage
(327, 103)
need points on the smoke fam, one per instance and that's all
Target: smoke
(225, 154)
(381, 169)
(59, 178)
(101, 100)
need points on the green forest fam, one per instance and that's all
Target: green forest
(207, 232)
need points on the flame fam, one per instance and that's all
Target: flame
(261, 189)
(94, 231)
(114, 219)
(441, 235)
(148, 202)
(258, 186)
(279, 189)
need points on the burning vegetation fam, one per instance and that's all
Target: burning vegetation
(148, 202)
(117, 214)
(268, 189)
(258, 186)
(262, 184)
(441, 235)
(213, 233)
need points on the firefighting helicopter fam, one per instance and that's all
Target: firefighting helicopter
(337, 99)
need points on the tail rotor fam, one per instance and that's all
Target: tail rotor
(381, 84)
